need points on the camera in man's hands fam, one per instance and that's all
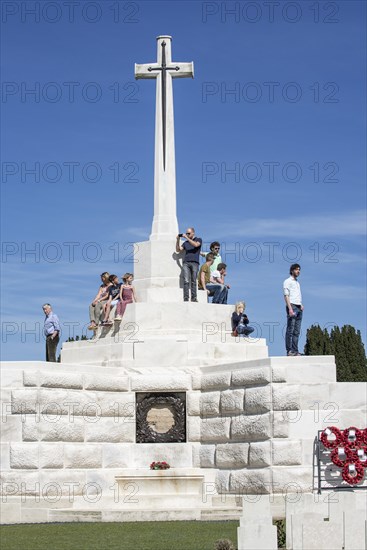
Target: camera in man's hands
(180, 234)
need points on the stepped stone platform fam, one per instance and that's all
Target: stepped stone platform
(69, 429)
(167, 335)
(74, 446)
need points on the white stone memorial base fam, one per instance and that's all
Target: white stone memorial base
(68, 430)
(172, 489)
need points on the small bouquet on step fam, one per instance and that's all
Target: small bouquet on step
(160, 465)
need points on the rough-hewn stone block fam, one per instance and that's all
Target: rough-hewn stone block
(61, 401)
(193, 403)
(286, 397)
(161, 382)
(193, 428)
(250, 376)
(30, 378)
(260, 454)
(196, 381)
(51, 455)
(83, 456)
(215, 429)
(207, 453)
(280, 424)
(118, 405)
(5, 456)
(251, 428)
(61, 380)
(29, 430)
(209, 404)
(232, 401)
(61, 429)
(279, 374)
(217, 381)
(86, 404)
(24, 456)
(256, 482)
(11, 428)
(24, 401)
(258, 399)
(106, 383)
(106, 429)
(232, 455)
(222, 481)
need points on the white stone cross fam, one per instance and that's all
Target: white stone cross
(165, 218)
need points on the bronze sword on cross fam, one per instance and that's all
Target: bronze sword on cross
(164, 70)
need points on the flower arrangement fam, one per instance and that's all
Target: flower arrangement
(331, 444)
(160, 465)
(335, 456)
(355, 442)
(353, 475)
(349, 444)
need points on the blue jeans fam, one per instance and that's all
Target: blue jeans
(244, 330)
(293, 329)
(223, 295)
(217, 291)
(190, 274)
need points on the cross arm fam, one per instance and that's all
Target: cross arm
(186, 70)
(151, 70)
(141, 70)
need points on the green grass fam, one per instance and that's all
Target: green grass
(157, 535)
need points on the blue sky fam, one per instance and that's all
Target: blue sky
(270, 153)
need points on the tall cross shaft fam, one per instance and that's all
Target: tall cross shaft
(165, 219)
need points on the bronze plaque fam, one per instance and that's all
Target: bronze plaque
(161, 417)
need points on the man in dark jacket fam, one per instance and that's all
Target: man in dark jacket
(190, 266)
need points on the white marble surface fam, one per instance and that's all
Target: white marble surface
(76, 424)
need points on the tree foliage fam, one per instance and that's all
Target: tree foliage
(347, 346)
(77, 338)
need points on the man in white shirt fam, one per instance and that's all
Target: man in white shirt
(294, 307)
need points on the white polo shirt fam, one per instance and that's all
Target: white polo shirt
(291, 288)
(215, 275)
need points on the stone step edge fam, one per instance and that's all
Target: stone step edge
(75, 511)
